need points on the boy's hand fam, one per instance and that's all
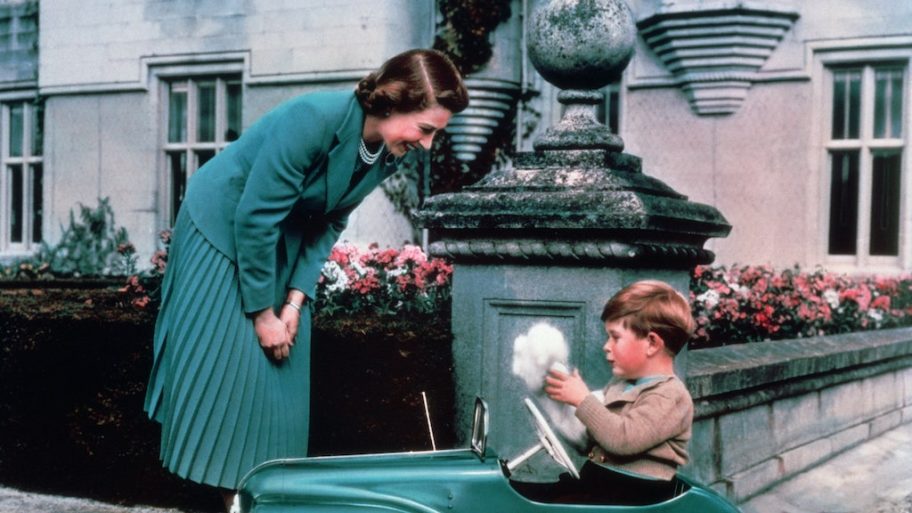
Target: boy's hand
(566, 388)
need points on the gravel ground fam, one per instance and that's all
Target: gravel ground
(15, 501)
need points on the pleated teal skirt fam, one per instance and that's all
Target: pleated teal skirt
(224, 406)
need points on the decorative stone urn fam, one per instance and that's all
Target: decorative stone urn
(553, 237)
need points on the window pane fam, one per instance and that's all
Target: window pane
(206, 112)
(885, 204)
(843, 203)
(177, 163)
(203, 156)
(896, 106)
(854, 105)
(38, 129)
(15, 129)
(233, 101)
(614, 113)
(881, 97)
(177, 115)
(15, 173)
(37, 201)
(887, 103)
(839, 106)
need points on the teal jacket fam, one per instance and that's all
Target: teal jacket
(276, 200)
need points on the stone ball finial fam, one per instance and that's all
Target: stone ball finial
(581, 44)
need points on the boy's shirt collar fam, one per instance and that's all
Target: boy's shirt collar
(631, 383)
(619, 391)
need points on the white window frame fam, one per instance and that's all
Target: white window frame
(27, 161)
(225, 69)
(866, 55)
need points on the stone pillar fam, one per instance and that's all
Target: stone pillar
(552, 238)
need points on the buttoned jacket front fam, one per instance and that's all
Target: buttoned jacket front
(276, 200)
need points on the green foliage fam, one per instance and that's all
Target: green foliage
(91, 246)
(463, 34)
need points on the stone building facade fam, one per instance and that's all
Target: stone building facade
(792, 117)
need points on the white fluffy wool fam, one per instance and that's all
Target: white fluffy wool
(533, 354)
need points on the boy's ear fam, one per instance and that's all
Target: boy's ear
(656, 343)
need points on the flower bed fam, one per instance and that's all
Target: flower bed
(753, 303)
(383, 281)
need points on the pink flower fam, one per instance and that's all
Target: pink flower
(159, 260)
(881, 302)
(410, 253)
(140, 302)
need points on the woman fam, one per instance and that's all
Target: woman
(257, 224)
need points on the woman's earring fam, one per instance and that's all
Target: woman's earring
(386, 114)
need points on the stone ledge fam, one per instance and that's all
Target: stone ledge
(736, 377)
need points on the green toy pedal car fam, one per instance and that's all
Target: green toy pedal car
(470, 480)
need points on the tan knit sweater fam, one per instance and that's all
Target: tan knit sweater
(643, 430)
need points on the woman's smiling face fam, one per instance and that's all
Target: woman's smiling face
(402, 132)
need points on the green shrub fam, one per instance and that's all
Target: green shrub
(91, 246)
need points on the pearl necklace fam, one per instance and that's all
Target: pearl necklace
(368, 157)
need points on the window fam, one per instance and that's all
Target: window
(609, 112)
(22, 184)
(865, 147)
(203, 116)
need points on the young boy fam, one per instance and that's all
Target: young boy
(642, 427)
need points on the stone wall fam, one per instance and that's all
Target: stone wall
(767, 411)
(104, 66)
(92, 42)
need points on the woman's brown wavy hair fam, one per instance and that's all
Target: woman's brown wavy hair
(411, 82)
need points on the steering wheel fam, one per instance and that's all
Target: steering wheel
(549, 440)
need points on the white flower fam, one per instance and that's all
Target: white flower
(736, 287)
(710, 298)
(831, 297)
(875, 315)
(356, 265)
(336, 277)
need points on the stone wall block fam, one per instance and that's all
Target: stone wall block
(907, 414)
(849, 437)
(905, 382)
(797, 420)
(703, 453)
(884, 423)
(886, 393)
(754, 479)
(843, 405)
(746, 438)
(806, 456)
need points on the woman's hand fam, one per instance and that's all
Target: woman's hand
(291, 317)
(566, 388)
(291, 312)
(273, 334)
